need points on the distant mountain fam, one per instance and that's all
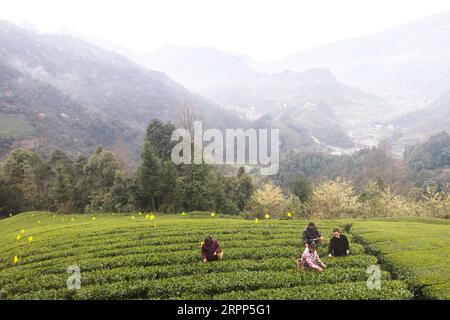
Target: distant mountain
(201, 69)
(312, 107)
(410, 58)
(420, 125)
(312, 101)
(62, 74)
(106, 45)
(37, 116)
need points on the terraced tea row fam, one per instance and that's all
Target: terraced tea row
(123, 258)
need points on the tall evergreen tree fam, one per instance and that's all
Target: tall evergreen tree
(148, 179)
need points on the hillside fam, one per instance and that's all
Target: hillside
(100, 83)
(201, 69)
(312, 100)
(37, 116)
(416, 127)
(409, 58)
(312, 107)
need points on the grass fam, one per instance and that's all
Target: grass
(125, 258)
(414, 250)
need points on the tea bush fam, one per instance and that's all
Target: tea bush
(124, 258)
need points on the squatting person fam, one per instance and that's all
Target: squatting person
(339, 245)
(211, 250)
(310, 234)
(310, 260)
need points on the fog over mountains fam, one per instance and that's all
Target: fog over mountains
(71, 91)
(69, 94)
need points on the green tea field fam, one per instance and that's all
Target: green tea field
(414, 250)
(138, 257)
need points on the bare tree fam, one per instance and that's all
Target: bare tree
(188, 116)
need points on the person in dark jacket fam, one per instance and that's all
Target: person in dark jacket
(339, 245)
(211, 250)
(311, 234)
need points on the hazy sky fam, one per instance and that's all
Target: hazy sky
(263, 29)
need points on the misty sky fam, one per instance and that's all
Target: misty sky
(263, 29)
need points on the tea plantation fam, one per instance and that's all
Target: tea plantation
(417, 251)
(138, 257)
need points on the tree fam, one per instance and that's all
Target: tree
(159, 136)
(81, 191)
(23, 171)
(243, 189)
(268, 199)
(195, 188)
(170, 188)
(301, 188)
(436, 200)
(333, 199)
(295, 206)
(61, 180)
(100, 173)
(119, 193)
(148, 179)
(8, 197)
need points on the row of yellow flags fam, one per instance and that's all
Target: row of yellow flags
(18, 238)
(150, 217)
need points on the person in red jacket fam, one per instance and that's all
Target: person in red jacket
(211, 250)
